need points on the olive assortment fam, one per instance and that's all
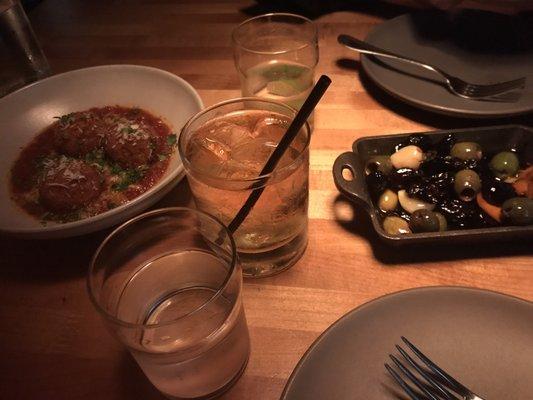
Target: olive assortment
(452, 184)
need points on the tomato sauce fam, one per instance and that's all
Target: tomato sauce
(122, 151)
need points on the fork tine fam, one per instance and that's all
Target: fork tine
(497, 88)
(413, 378)
(439, 387)
(508, 85)
(405, 386)
(458, 387)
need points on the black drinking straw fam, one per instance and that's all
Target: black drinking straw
(297, 123)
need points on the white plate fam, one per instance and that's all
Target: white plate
(26, 112)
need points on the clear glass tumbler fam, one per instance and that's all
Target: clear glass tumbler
(275, 56)
(224, 148)
(21, 58)
(168, 286)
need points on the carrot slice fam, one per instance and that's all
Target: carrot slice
(524, 184)
(494, 211)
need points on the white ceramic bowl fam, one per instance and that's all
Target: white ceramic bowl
(26, 112)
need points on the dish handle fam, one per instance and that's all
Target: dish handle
(353, 187)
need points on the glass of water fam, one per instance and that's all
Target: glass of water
(168, 286)
(275, 55)
(21, 58)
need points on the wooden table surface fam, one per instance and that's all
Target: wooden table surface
(52, 342)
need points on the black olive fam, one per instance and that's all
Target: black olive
(434, 189)
(403, 178)
(416, 139)
(494, 190)
(444, 164)
(473, 164)
(486, 221)
(526, 155)
(444, 146)
(377, 183)
(516, 143)
(460, 214)
(424, 221)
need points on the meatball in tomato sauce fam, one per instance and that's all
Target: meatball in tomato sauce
(130, 146)
(79, 134)
(68, 184)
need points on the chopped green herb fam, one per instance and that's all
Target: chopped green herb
(171, 139)
(128, 177)
(65, 119)
(128, 130)
(161, 157)
(96, 157)
(116, 169)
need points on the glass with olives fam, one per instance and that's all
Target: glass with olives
(427, 186)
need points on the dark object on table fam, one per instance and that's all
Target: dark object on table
(458, 213)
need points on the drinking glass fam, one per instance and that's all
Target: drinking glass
(21, 58)
(168, 286)
(275, 56)
(224, 149)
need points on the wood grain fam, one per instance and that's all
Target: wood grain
(52, 343)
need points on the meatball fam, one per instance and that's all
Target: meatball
(78, 134)
(68, 185)
(130, 147)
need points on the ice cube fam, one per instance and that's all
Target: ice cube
(230, 134)
(270, 127)
(208, 154)
(254, 153)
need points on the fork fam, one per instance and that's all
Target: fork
(457, 86)
(438, 384)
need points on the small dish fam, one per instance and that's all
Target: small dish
(490, 138)
(26, 112)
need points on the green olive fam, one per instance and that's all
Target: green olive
(424, 221)
(378, 163)
(467, 184)
(443, 224)
(466, 151)
(518, 211)
(396, 225)
(388, 201)
(504, 164)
